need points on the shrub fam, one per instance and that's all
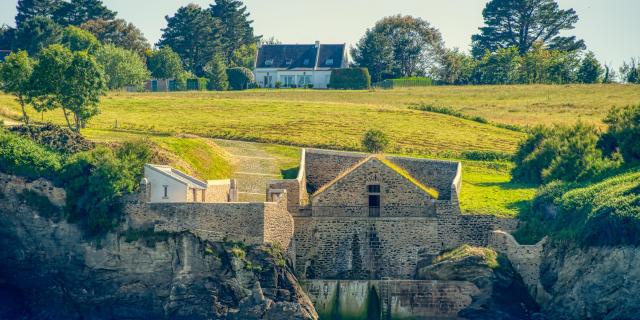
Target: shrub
(240, 78)
(486, 156)
(23, 157)
(559, 153)
(375, 141)
(350, 78)
(278, 85)
(55, 138)
(624, 130)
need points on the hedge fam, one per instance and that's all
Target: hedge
(350, 78)
(240, 78)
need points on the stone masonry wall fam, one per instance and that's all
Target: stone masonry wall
(278, 223)
(439, 174)
(218, 191)
(323, 166)
(526, 259)
(399, 197)
(394, 299)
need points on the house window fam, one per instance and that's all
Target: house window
(288, 81)
(304, 80)
(289, 62)
(268, 62)
(166, 192)
(195, 196)
(329, 62)
(373, 191)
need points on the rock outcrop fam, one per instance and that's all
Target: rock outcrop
(133, 274)
(502, 293)
(591, 283)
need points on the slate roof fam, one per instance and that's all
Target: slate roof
(301, 56)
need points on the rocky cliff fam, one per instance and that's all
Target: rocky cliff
(590, 283)
(59, 273)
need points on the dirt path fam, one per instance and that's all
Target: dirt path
(253, 168)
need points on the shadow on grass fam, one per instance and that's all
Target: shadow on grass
(290, 173)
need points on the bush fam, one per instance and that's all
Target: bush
(486, 156)
(375, 141)
(240, 78)
(55, 138)
(23, 157)
(350, 78)
(278, 85)
(559, 153)
(624, 130)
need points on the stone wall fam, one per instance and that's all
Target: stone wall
(399, 197)
(322, 166)
(385, 247)
(218, 191)
(526, 259)
(438, 174)
(278, 223)
(394, 299)
(296, 188)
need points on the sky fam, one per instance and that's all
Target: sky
(609, 27)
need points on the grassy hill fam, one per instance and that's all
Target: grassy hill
(337, 120)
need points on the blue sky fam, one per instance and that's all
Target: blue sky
(610, 27)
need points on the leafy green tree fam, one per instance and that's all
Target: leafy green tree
(416, 47)
(216, 73)
(245, 56)
(522, 23)
(235, 31)
(77, 39)
(119, 33)
(83, 86)
(630, 72)
(375, 141)
(7, 35)
(164, 63)
(559, 153)
(122, 67)
(37, 33)
(29, 9)
(77, 12)
(15, 74)
(240, 78)
(590, 70)
(501, 67)
(375, 53)
(456, 68)
(48, 77)
(72, 81)
(193, 34)
(610, 75)
(624, 128)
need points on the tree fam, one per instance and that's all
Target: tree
(72, 81)
(193, 34)
(240, 78)
(119, 33)
(77, 12)
(245, 56)
(165, 64)
(35, 34)
(624, 128)
(269, 41)
(234, 28)
(83, 85)
(375, 141)
(590, 70)
(501, 67)
(7, 35)
(15, 73)
(522, 23)
(405, 45)
(29, 9)
(122, 67)
(375, 53)
(77, 39)
(630, 72)
(216, 73)
(610, 75)
(456, 68)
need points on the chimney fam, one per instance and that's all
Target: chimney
(317, 44)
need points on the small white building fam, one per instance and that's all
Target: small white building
(299, 65)
(167, 185)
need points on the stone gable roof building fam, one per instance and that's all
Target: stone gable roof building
(298, 65)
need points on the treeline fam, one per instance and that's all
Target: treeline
(520, 43)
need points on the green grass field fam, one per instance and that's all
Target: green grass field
(337, 120)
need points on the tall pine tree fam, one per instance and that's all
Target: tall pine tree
(235, 27)
(194, 35)
(28, 9)
(77, 12)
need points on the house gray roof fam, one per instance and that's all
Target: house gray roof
(179, 176)
(301, 56)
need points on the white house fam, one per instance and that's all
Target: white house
(299, 65)
(167, 185)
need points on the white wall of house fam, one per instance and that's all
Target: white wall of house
(319, 78)
(176, 190)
